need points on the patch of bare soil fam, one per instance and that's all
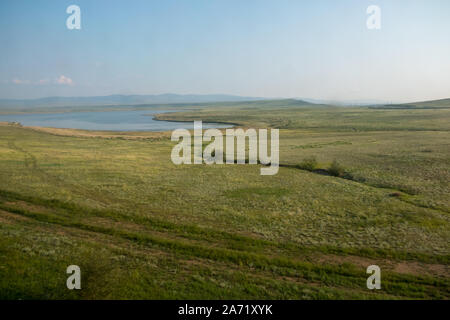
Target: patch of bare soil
(29, 207)
(103, 134)
(9, 218)
(402, 267)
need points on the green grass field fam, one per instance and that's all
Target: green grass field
(141, 227)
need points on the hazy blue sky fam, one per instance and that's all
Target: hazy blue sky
(278, 48)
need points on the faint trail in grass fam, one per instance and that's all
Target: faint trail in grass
(231, 240)
(32, 164)
(344, 276)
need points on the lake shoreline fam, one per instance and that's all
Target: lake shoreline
(106, 121)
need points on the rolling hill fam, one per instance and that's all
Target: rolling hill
(121, 100)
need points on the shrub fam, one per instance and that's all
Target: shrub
(309, 164)
(336, 169)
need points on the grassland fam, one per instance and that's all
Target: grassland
(141, 227)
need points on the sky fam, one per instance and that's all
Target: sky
(318, 49)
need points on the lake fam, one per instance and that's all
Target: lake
(141, 120)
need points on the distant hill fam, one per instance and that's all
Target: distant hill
(433, 104)
(346, 102)
(168, 98)
(442, 103)
(268, 103)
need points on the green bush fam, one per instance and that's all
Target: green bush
(309, 164)
(336, 169)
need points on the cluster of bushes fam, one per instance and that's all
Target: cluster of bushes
(335, 169)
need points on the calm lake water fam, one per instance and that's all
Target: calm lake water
(141, 120)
